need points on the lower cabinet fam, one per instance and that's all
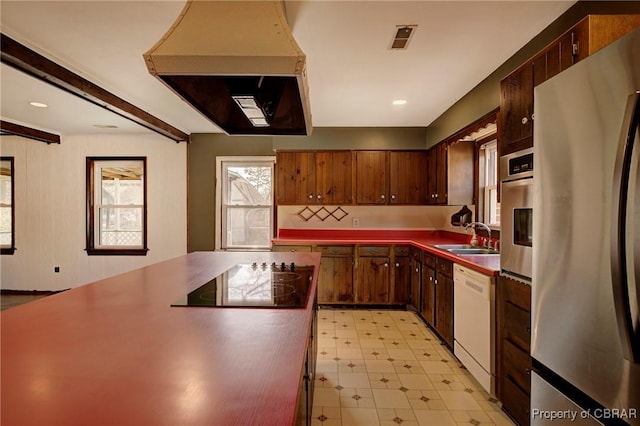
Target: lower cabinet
(335, 281)
(513, 386)
(415, 296)
(429, 288)
(444, 300)
(401, 275)
(305, 391)
(373, 275)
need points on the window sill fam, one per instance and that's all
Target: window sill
(117, 252)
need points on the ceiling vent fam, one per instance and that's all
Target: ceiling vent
(237, 63)
(402, 36)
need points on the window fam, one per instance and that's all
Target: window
(490, 207)
(7, 207)
(116, 205)
(245, 200)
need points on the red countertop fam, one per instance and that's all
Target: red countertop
(426, 240)
(115, 352)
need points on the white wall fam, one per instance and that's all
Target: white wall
(50, 208)
(373, 217)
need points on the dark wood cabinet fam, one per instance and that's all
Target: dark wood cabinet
(415, 298)
(295, 183)
(513, 359)
(335, 281)
(444, 300)
(408, 177)
(371, 177)
(313, 177)
(307, 383)
(450, 175)
(516, 90)
(401, 275)
(333, 177)
(373, 273)
(429, 288)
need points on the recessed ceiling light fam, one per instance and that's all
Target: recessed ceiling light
(105, 126)
(38, 104)
(399, 102)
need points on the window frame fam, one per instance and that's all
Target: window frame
(483, 188)
(9, 250)
(220, 240)
(91, 225)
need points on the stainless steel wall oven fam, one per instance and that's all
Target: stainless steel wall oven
(516, 171)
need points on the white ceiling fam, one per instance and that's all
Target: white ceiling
(353, 76)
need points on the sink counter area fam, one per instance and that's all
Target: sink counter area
(423, 239)
(116, 352)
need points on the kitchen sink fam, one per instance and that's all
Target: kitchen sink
(467, 249)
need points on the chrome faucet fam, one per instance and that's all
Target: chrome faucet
(485, 226)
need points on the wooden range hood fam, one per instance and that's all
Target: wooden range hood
(232, 60)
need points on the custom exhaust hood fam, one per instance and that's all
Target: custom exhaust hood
(238, 64)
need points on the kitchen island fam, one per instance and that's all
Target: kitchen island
(115, 352)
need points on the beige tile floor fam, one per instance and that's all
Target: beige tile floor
(387, 368)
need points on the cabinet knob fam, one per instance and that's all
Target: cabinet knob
(386, 265)
(525, 120)
(382, 196)
(319, 197)
(310, 196)
(393, 196)
(417, 270)
(397, 265)
(430, 278)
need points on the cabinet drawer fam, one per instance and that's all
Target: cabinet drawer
(517, 326)
(429, 259)
(517, 365)
(445, 267)
(290, 248)
(402, 250)
(373, 251)
(515, 292)
(335, 250)
(516, 402)
(416, 254)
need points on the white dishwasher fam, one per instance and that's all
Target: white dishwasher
(474, 324)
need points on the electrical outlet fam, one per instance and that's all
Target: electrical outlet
(356, 222)
(56, 269)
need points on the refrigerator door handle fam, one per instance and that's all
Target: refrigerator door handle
(623, 264)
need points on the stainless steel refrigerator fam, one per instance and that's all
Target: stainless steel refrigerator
(586, 241)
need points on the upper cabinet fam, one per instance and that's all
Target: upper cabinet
(351, 177)
(372, 174)
(296, 178)
(333, 177)
(516, 90)
(313, 177)
(408, 177)
(451, 173)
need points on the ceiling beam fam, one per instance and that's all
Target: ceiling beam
(26, 60)
(8, 128)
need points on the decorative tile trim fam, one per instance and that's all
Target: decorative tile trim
(322, 213)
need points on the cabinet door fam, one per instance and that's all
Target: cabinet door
(516, 106)
(432, 175)
(333, 177)
(415, 298)
(408, 177)
(295, 178)
(429, 294)
(401, 280)
(335, 283)
(441, 174)
(444, 308)
(373, 280)
(371, 177)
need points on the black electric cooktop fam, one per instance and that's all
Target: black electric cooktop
(254, 286)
